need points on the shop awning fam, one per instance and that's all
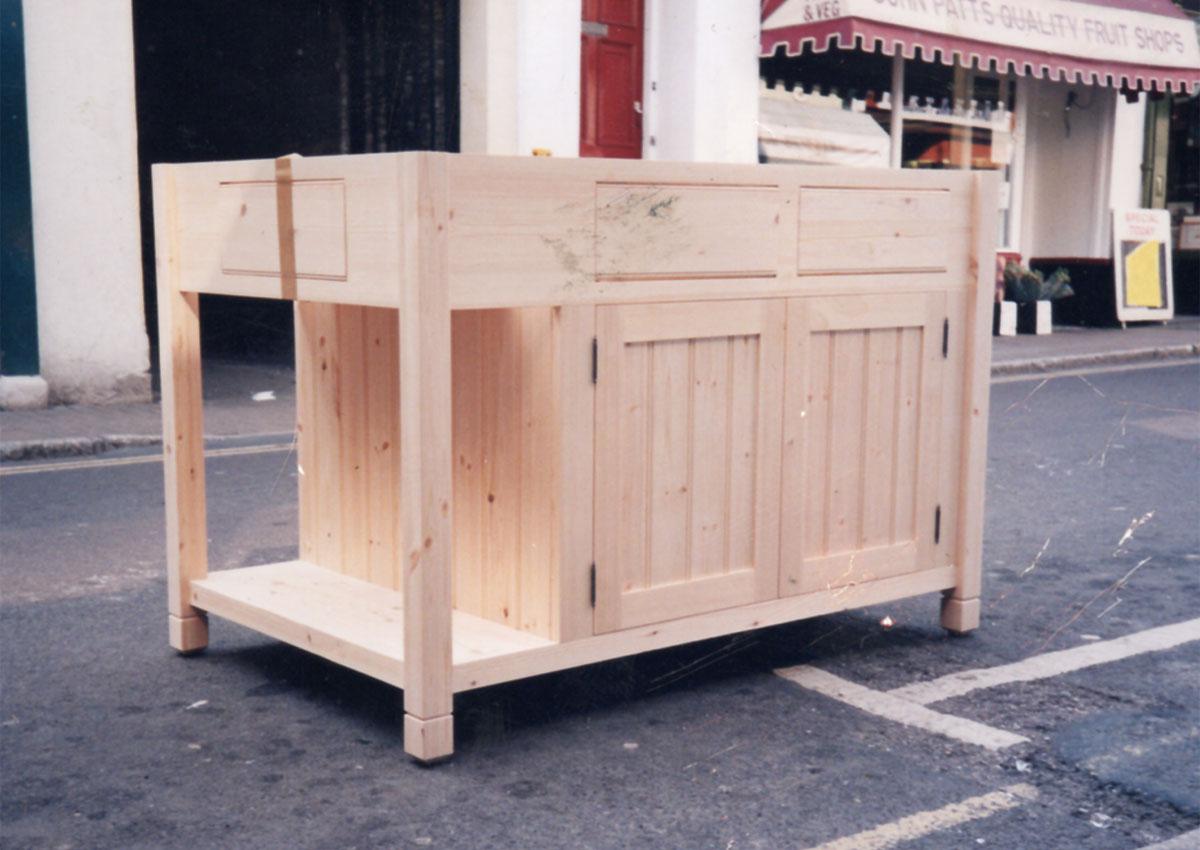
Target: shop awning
(1135, 44)
(792, 131)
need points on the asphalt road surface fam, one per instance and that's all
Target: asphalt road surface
(782, 738)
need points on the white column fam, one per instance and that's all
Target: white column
(1129, 128)
(86, 234)
(519, 76)
(896, 118)
(701, 80)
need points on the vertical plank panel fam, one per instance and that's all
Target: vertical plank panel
(327, 444)
(575, 410)
(769, 449)
(710, 455)
(670, 431)
(501, 468)
(352, 439)
(908, 379)
(816, 445)
(611, 463)
(797, 498)
(880, 431)
(950, 446)
(846, 441)
(928, 450)
(307, 367)
(467, 375)
(383, 446)
(635, 380)
(538, 503)
(743, 450)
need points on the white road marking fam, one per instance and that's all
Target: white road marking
(900, 710)
(925, 823)
(95, 463)
(1187, 841)
(1050, 663)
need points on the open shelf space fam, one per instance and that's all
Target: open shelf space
(347, 620)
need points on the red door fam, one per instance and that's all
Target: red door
(610, 120)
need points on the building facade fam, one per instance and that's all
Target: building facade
(1059, 97)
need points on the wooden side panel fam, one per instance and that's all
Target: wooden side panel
(688, 417)
(506, 474)
(861, 452)
(380, 329)
(348, 433)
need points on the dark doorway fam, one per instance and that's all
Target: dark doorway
(226, 79)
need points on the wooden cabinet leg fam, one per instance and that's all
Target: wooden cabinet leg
(429, 741)
(426, 467)
(188, 635)
(960, 615)
(183, 426)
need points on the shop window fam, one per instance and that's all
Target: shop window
(949, 117)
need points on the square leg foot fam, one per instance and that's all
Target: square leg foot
(188, 634)
(960, 615)
(429, 741)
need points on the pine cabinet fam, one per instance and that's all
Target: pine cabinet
(552, 412)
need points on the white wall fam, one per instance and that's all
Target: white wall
(519, 76)
(83, 161)
(701, 80)
(1070, 180)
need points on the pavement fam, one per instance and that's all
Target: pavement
(1069, 721)
(246, 400)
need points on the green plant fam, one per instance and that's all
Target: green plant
(1022, 285)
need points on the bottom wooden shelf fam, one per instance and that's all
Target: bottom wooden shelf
(353, 622)
(361, 625)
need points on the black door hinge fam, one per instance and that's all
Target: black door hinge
(592, 586)
(595, 359)
(937, 525)
(945, 338)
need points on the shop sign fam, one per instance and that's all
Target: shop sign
(1061, 27)
(1142, 265)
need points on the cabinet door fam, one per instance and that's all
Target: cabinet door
(689, 409)
(860, 458)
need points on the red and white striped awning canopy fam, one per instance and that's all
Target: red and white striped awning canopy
(1134, 44)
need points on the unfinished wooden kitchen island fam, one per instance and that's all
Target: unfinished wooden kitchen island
(552, 412)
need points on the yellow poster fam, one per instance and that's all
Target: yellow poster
(1143, 287)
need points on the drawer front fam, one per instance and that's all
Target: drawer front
(688, 418)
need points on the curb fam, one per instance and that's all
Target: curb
(1047, 365)
(81, 446)
(17, 450)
